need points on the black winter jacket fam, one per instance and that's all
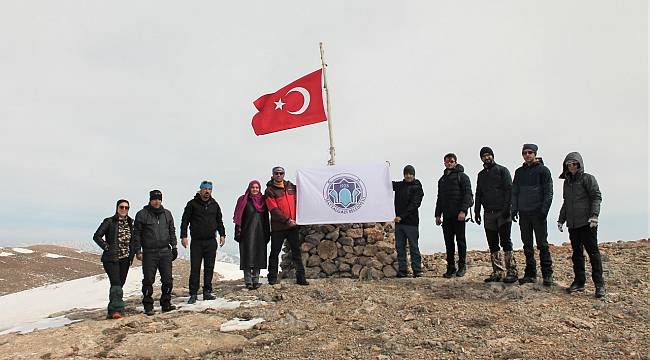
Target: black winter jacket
(106, 238)
(408, 198)
(204, 219)
(532, 190)
(153, 232)
(493, 189)
(454, 192)
(581, 195)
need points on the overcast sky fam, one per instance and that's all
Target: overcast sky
(103, 100)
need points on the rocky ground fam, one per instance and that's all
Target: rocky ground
(429, 317)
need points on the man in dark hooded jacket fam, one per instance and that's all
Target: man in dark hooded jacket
(532, 193)
(408, 198)
(203, 215)
(154, 232)
(493, 191)
(454, 198)
(580, 211)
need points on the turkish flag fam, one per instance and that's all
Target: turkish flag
(297, 104)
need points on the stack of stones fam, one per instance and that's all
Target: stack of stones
(363, 251)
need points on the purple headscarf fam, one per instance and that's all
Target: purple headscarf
(258, 202)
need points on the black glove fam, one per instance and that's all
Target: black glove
(514, 215)
(174, 253)
(477, 218)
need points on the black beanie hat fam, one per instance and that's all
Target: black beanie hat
(530, 147)
(117, 205)
(486, 150)
(155, 195)
(409, 169)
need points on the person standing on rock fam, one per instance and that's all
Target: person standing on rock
(281, 201)
(493, 192)
(155, 234)
(454, 198)
(580, 211)
(532, 193)
(408, 198)
(114, 237)
(203, 215)
(252, 232)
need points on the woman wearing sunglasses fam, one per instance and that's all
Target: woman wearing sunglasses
(114, 237)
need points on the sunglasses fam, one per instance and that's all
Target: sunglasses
(123, 207)
(450, 161)
(527, 152)
(278, 173)
(572, 164)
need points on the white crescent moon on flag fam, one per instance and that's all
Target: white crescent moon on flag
(306, 99)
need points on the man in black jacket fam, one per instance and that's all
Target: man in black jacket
(454, 198)
(493, 191)
(408, 198)
(204, 217)
(155, 234)
(532, 193)
(580, 210)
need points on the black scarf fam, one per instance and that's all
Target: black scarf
(155, 211)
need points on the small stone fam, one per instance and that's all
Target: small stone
(354, 233)
(327, 250)
(346, 241)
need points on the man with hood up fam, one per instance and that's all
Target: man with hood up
(203, 215)
(408, 198)
(580, 211)
(493, 191)
(454, 198)
(281, 201)
(532, 194)
(155, 234)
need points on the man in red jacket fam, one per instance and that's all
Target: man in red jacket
(281, 201)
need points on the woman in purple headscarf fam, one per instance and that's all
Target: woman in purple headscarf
(252, 232)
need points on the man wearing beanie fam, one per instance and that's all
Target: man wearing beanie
(532, 193)
(454, 198)
(493, 191)
(203, 215)
(155, 234)
(281, 201)
(408, 198)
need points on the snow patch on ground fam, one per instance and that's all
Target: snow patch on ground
(22, 250)
(40, 324)
(239, 324)
(216, 304)
(229, 271)
(54, 256)
(4, 254)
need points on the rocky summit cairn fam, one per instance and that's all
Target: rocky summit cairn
(363, 251)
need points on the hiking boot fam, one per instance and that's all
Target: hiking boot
(449, 274)
(192, 299)
(149, 312)
(511, 267)
(493, 278)
(528, 279)
(548, 280)
(461, 271)
(417, 274)
(256, 286)
(401, 275)
(117, 315)
(300, 280)
(250, 287)
(575, 287)
(272, 281)
(168, 308)
(208, 296)
(600, 291)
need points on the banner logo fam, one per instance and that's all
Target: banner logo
(344, 193)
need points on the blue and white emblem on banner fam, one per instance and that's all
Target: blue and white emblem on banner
(344, 193)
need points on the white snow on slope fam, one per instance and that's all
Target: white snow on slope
(30, 308)
(54, 256)
(239, 324)
(4, 254)
(22, 250)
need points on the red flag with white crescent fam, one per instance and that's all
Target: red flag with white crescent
(298, 104)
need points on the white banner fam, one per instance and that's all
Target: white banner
(345, 194)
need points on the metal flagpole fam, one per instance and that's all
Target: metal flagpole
(332, 160)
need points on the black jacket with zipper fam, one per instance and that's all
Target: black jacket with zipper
(154, 232)
(493, 189)
(532, 190)
(454, 193)
(204, 219)
(408, 198)
(106, 238)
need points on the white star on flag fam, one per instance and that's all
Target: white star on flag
(279, 104)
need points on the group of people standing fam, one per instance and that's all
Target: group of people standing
(151, 238)
(261, 217)
(526, 198)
